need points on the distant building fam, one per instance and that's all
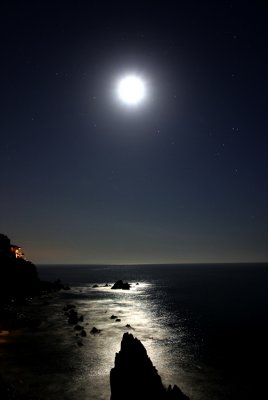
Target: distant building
(16, 251)
(8, 250)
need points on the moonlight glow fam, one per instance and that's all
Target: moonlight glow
(131, 90)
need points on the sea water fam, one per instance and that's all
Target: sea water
(204, 326)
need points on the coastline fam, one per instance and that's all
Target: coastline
(46, 357)
(56, 366)
(38, 357)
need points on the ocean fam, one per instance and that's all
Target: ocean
(204, 326)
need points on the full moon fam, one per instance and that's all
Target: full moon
(131, 90)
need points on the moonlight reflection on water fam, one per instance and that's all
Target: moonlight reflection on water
(132, 307)
(197, 337)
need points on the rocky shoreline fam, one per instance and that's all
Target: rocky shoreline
(41, 331)
(24, 322)
(39, 347)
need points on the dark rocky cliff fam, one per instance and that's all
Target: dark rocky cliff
(18, 276)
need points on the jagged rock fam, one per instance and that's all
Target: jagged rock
(113, 316)
(118, 320)
(121, 285)
(95, 286)
(83, 333)
(78, 327)
(95, 331)
(129, 327)
(134, 376)
(175, 393)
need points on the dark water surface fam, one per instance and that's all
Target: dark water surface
(204, 326)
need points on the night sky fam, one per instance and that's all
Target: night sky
(181, 177)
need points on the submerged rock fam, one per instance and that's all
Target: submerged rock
(129, 327)
(95, 331)
(134, 376)
(68, 307)
(78, 327)
(121, 285)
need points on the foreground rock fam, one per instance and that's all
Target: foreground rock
(121, 285)
(134, 376)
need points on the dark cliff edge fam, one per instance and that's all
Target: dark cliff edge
(22, 294)
(134, 376)
(19, 282)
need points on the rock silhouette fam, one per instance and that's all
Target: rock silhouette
(121, 285)
(95, 331)
(134, 376)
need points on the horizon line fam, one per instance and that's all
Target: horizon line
(152, 264)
